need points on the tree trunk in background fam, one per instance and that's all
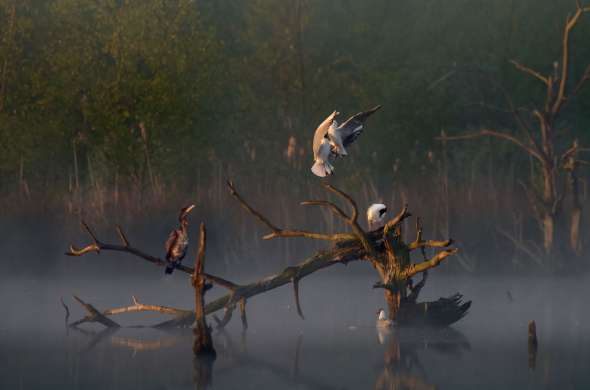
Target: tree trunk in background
(8, 46)
(547, 209)
(571, 165)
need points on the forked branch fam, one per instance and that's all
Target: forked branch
(433, 262)
(531, 72)
(97, 246)
(277, 232)
(532, 150)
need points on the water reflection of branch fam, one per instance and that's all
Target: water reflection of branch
(401, 355)
(139, 345)
(296, 357)
(95, 337)
(203, 371)
(243, 359)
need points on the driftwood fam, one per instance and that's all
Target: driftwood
(383, 248)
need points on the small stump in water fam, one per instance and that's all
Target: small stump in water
(203, 344)
(533, 345)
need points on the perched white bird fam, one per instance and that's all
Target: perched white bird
(382, 320)
(376, 215)
(322, 148)
(343, 135)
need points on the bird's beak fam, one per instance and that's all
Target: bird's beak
(189, 208)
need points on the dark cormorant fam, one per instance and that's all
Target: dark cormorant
(178, 241)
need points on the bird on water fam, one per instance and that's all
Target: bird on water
(177, 242)
(382, 320)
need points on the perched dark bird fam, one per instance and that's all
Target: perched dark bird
(178, 241)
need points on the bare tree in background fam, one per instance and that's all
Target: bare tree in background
(537, 136)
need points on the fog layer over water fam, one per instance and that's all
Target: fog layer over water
(337, 346)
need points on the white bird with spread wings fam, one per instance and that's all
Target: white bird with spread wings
(330, 139)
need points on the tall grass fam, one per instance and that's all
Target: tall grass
(479, 210)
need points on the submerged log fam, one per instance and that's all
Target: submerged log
(533, 344)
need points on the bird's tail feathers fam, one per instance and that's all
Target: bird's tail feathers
(322, 169)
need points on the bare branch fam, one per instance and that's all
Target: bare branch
(277, 232)
(430, 244)
(352, 220)
(420, 243)
(335, 209)
(73, 251)
(249, 209)
(531, 72)
(585, 77)
(354, 216)
(496, 134)
(243, 314)
(227, 315)
(98, 246)
(93, 316)
(66, 308)
(140, 307)
(306, 267)
(415, 290)
(89, 231)
(403, 214)
(295, 281)
(122, 236)
(569, 25)
(433, 262)
(521, 246)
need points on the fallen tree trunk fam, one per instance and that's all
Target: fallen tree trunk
(383, 248)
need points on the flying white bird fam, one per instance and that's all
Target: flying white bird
(330, 140)
(341, 136)
(322, 148)
(376, 215)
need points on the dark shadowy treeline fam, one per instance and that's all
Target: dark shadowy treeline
(119, 110)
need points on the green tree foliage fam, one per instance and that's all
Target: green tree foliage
(203, 83)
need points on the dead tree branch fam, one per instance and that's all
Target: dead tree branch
(433, 262)
(357, 246)
(94, 316)
(496, 134)
(277, 232)
(98, 246)
(531, 72)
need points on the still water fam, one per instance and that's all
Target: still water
(336, 347)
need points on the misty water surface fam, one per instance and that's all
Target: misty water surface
(336, 347)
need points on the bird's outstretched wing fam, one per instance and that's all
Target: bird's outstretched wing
(170, 243)
(320, 133)
(353, 127)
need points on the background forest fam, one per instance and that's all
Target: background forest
(119, 111)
